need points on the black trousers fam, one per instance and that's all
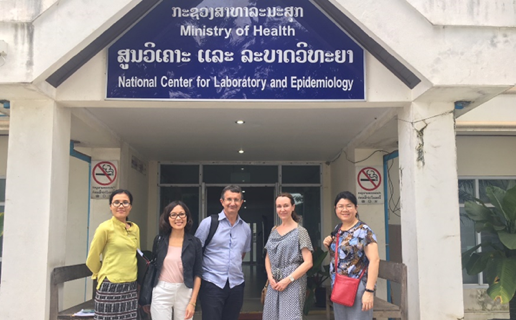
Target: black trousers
(221, 304)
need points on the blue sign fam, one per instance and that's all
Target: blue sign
(257, 50)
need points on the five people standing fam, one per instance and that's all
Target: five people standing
(185, 269)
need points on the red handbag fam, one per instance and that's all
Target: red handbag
(344, 288)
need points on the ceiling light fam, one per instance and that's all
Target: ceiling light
(241, 151)
(240, 122)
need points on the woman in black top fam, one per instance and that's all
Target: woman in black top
(179, 265)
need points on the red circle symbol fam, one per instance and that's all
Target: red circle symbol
(369, 179)
(104, 173)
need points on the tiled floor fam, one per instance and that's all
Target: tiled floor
(255, 278)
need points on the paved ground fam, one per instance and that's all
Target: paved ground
(316, 315)
(313, 315)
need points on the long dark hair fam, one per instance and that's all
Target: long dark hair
(164, 224)
(294, 215)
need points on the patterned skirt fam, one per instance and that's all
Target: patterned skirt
(116, 301)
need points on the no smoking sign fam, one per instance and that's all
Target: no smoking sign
(369, 178)
(369, 185)
(104, 173)
(104, 176)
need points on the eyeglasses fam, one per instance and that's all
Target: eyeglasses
(346, 207)
(180, 215)
(118, 203)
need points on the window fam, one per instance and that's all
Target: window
(179, 174)
(240, 174)
(301, 174)
(470, 188)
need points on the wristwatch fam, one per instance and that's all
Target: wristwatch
(291, 278)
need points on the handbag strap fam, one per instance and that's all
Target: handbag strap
(155, 247)
(337, 255)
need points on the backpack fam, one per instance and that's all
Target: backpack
(213, 227)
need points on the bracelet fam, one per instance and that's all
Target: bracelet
(192, 303)
(369, 290)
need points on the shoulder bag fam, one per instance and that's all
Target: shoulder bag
(142, 261)
(148, 284)
(147, 281)
(264, 292)
(344, 288)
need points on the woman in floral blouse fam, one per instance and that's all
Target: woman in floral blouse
(357, 252)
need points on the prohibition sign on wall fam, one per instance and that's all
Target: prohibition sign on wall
(104, 173)
(369, 178)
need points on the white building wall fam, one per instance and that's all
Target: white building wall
(428, 175)
(136, 182)
(40, 35)
(495, 117)
(23, 10)
(445, 56)
(492, 13)
(38, 173)
(74, 292)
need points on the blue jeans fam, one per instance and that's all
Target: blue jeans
(221, 304)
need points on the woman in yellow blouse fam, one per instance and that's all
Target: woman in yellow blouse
(116, 240)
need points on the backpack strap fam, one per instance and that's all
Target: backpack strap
(213, 227)
(336, 230)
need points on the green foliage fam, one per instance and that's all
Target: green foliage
(316, 276)
(497, 259)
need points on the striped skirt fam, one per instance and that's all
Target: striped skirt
(116, 301)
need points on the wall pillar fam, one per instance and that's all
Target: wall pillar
(35, 207)
(430, 224)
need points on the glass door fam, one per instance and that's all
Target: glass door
(257, 211)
